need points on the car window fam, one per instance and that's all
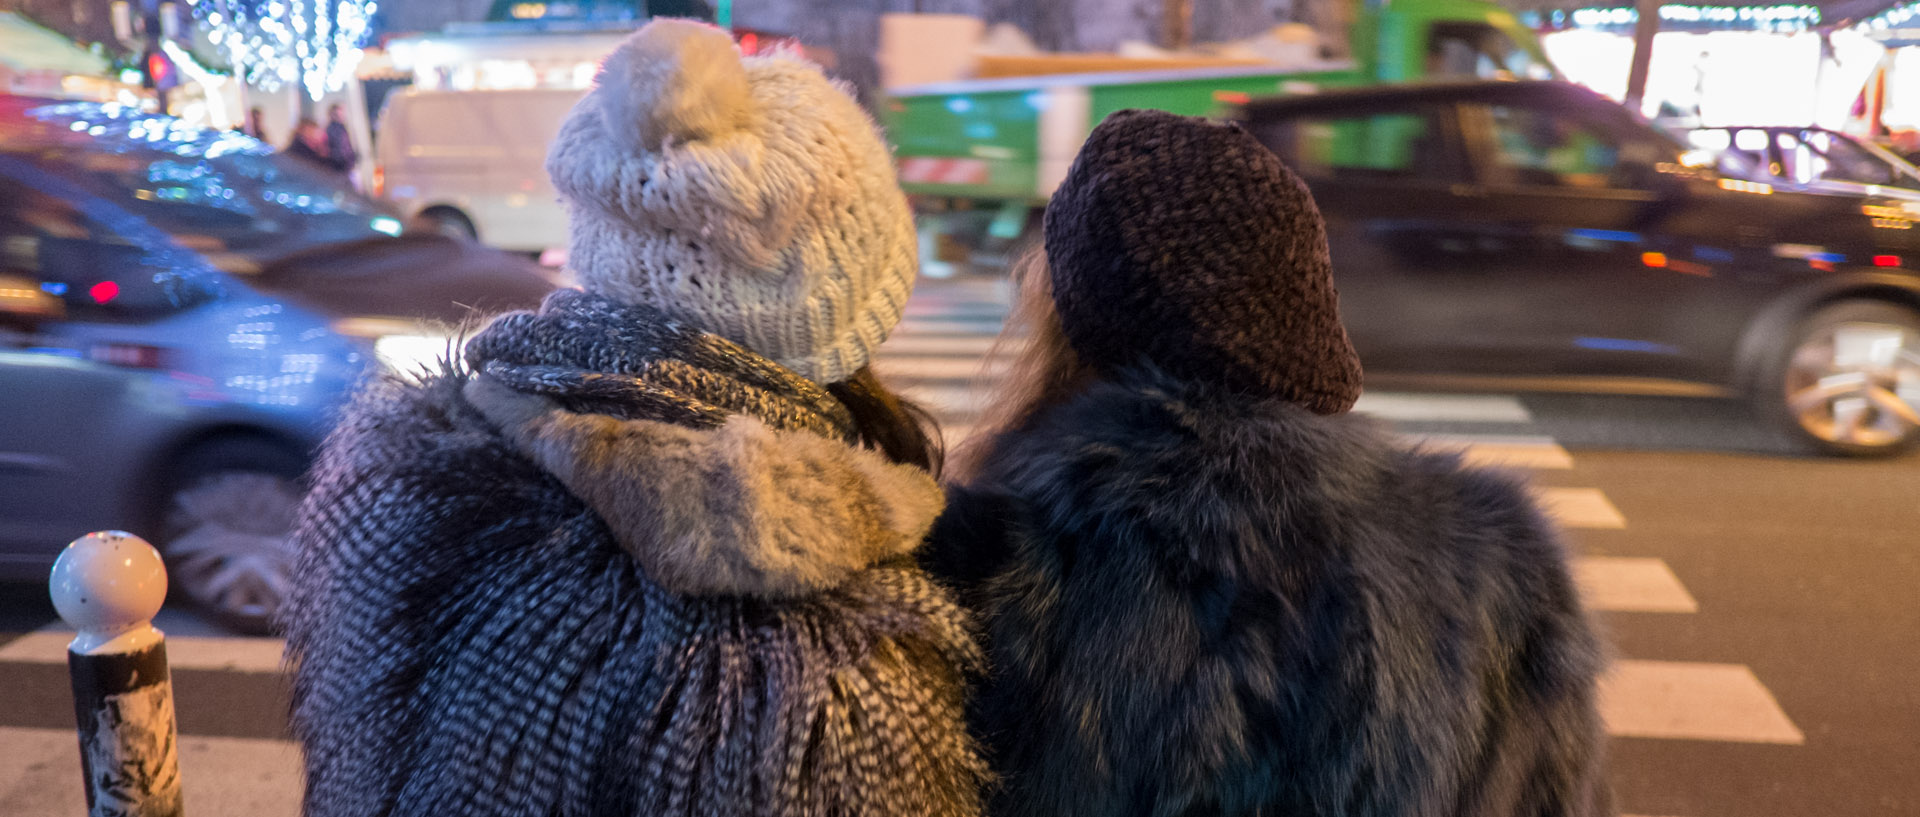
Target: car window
(1810, 156)
(258, 206)
(69, 245)
(1410, 145)
(1738, 158)
(219, 192)
(1539, 147)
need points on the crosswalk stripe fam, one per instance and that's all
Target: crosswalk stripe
(1692, 701)
(233, 654)
(928, 367)
(1462, 408)
(905, 345)
(1606, 583)
(1502, 451)
(983, 326)
(1631, 585)
(960, 309)
(219, 777)
(1585, 508)
(946, 399)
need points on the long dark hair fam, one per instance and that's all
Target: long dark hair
(904, 432)
(1042, 370)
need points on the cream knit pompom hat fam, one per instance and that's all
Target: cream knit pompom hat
(747, 197)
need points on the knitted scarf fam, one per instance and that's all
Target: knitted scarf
(629, 361)
(468, 637)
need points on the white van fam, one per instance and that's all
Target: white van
(473, 163)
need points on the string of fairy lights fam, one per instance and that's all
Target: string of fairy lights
(1785, 18)
(314, 44)
(1900, 16)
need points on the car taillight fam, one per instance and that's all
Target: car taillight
(379, 180)
(129, 355)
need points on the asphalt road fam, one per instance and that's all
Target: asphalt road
(1763, 607)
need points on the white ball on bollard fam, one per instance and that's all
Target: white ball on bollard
(108, 585)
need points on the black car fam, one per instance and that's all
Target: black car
(1538, 235)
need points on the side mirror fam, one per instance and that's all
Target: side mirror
(24, 306)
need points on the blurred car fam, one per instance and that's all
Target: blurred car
(1539, 236)
(181, 313)
(1813, 159)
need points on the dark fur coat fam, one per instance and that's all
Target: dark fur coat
(1199, 603)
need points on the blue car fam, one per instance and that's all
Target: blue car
(182, 312)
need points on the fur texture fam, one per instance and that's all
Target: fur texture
(738, 510)
(1203, 603)
(470, 638)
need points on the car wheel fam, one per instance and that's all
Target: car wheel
(229, 515)
(1848, 382)
(450, 223)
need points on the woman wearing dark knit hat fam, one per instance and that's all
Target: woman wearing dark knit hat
(646, 551)
(1206, 590)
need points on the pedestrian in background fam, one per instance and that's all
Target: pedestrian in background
(309, 144)
(340, 149)
(649, 550)
(256, 124)
(1208, 590)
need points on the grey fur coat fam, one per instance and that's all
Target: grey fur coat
(1201, 603)
(504, 606)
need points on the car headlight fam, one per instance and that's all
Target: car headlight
(404, 347)
(412, 354)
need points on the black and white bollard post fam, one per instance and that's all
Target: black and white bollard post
(109, 585)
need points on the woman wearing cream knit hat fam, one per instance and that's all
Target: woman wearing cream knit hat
(646, 549)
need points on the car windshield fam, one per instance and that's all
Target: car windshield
(1804, 157)
(1819, 154)
(223, 194)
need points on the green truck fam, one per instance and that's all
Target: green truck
(981, 156)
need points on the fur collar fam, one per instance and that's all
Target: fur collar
(1181, 450)
(739, 510)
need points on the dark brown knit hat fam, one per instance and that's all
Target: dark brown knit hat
(1187, 244)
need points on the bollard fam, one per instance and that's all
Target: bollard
(108, 586)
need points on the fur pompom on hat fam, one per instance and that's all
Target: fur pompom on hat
(1187, 244)
(746, 197)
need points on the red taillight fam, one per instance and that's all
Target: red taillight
(129, 355)
(379, 180)
(1886, 260)
(103, 292)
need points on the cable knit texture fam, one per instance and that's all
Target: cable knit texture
(627, 569)
(750, 198)
(1188, 244)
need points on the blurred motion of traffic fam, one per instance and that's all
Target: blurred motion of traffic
(1662, 259)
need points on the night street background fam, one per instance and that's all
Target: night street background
(1761, 605)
